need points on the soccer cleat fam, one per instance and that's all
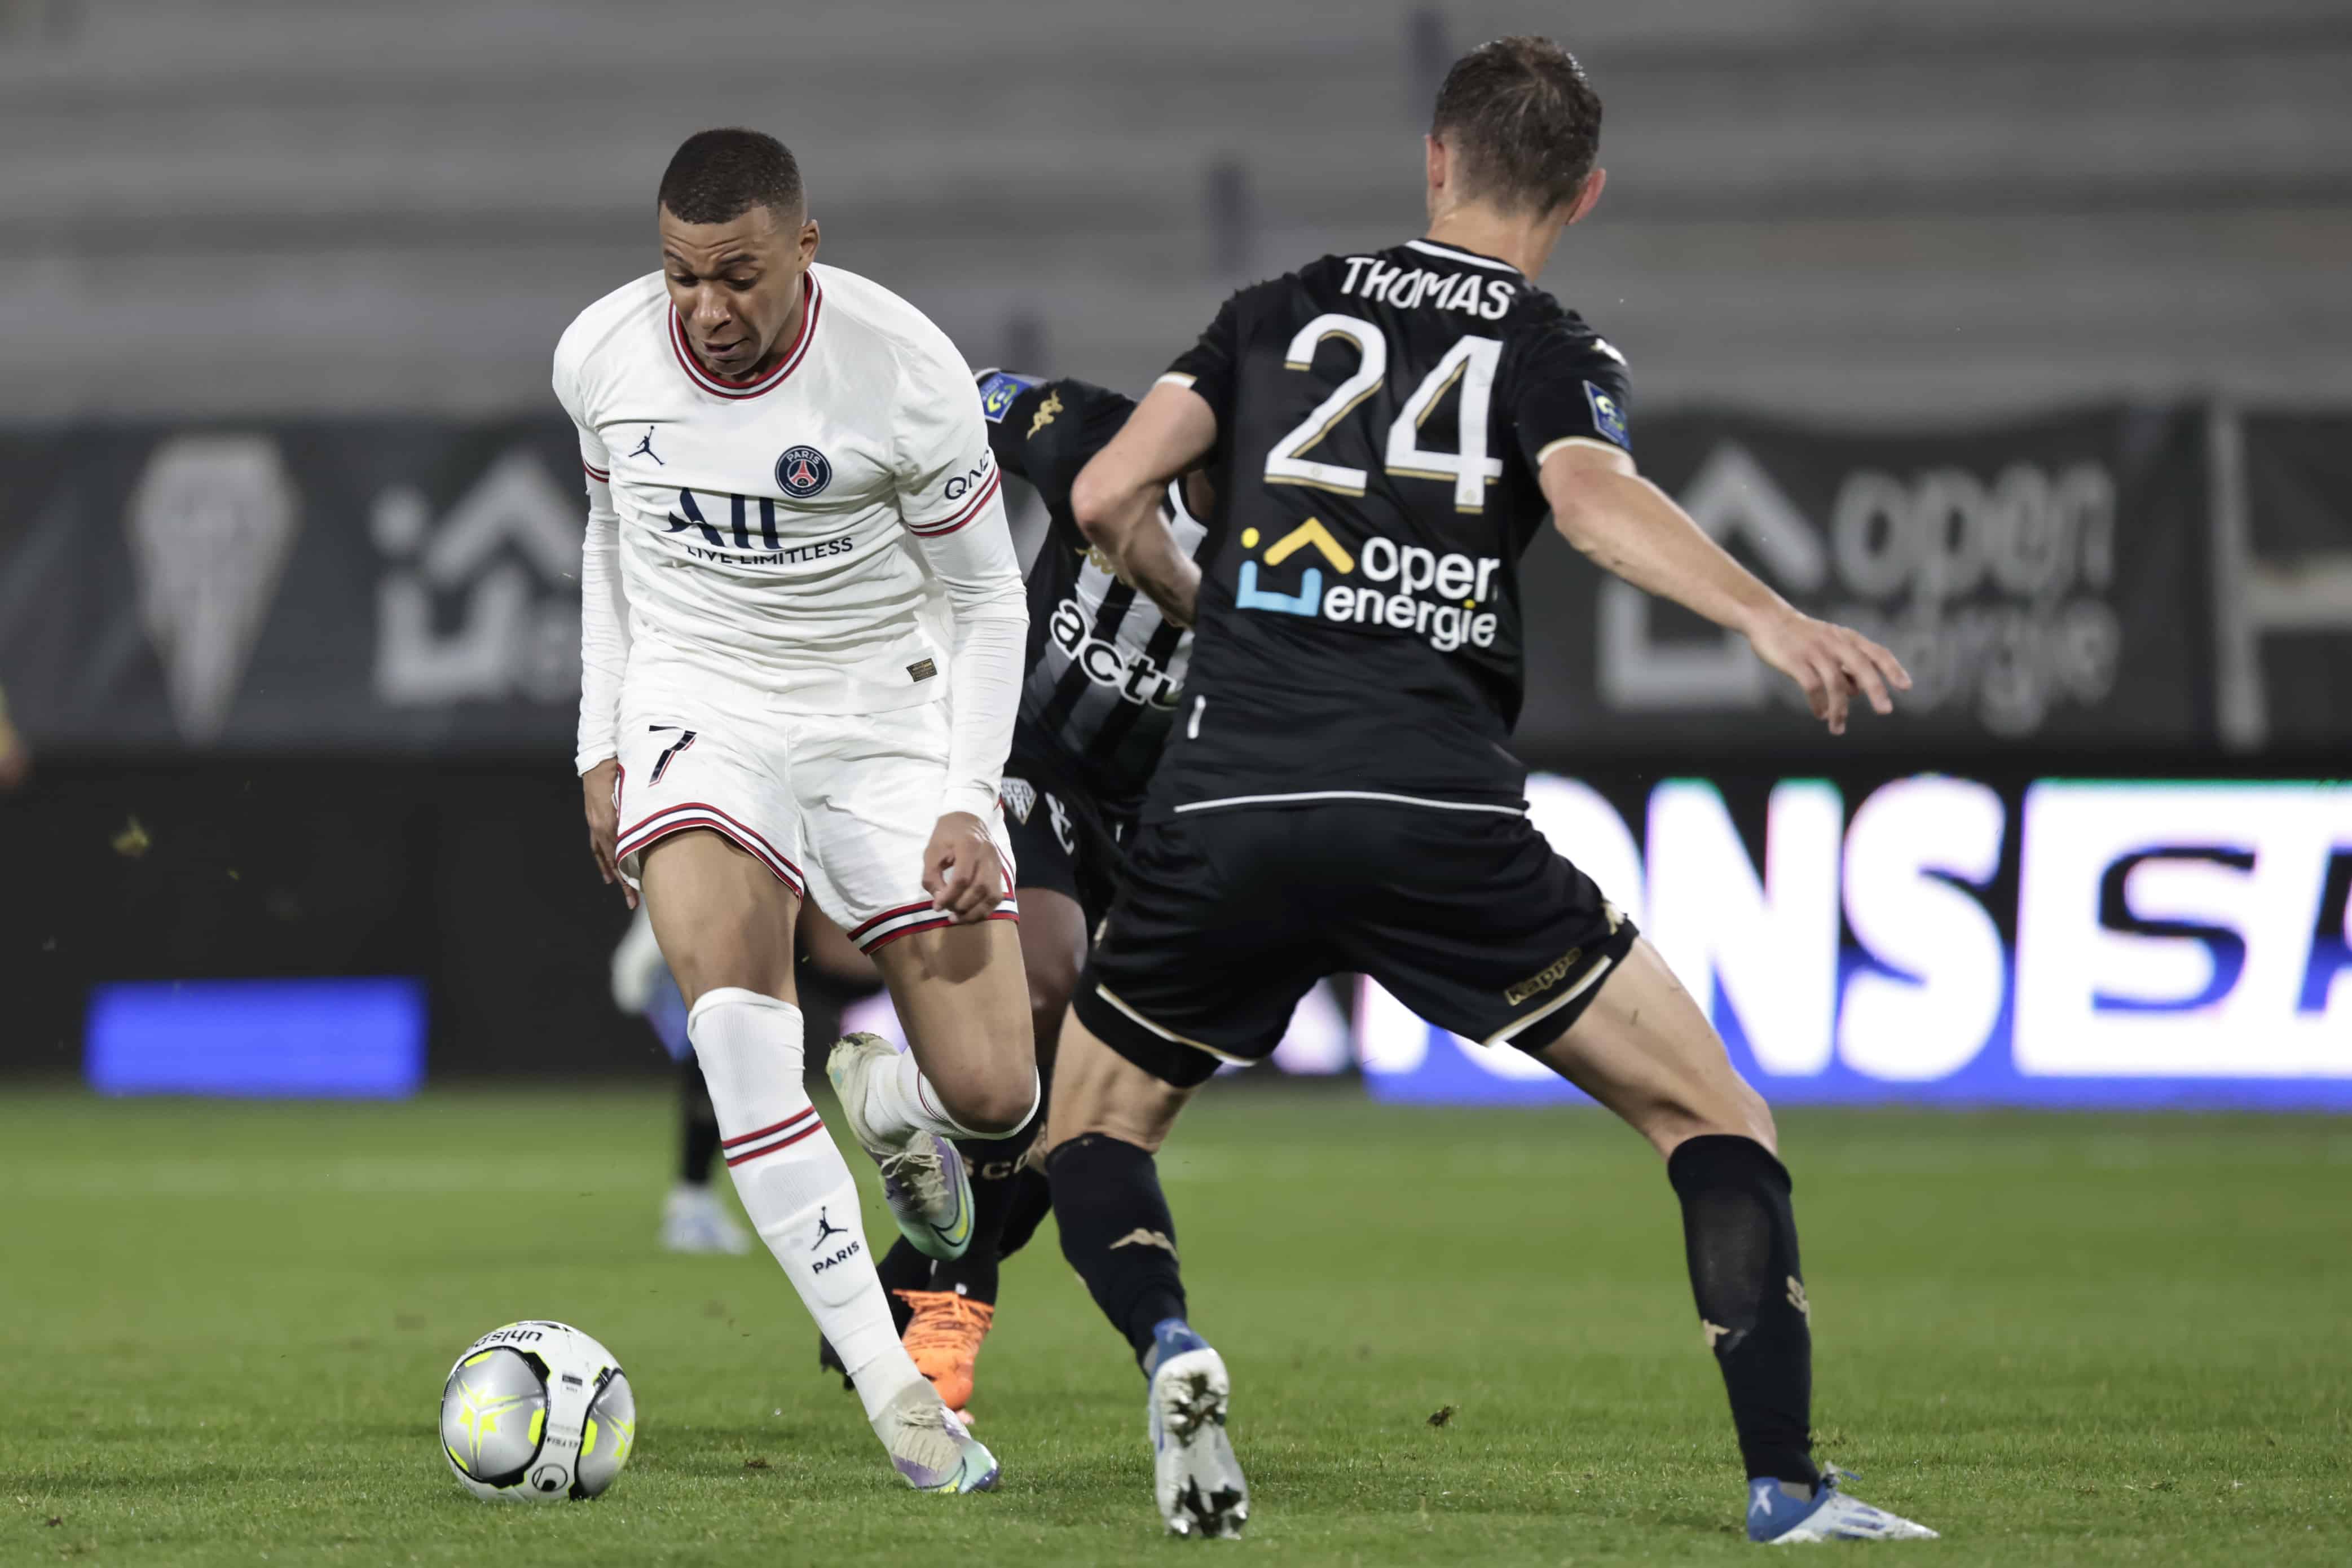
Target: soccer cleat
(1778, 1517)
(923, 1179)
(944, 1339)
(694, 1219)
(1196, 1480)
(933, 1450)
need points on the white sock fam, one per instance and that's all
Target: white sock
(900, 1102)
(794, 1183)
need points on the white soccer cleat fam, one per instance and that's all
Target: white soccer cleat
(1777, 1517)
(923, 1178)
(694, 1219)
(933, 1450)
(1195, 1477)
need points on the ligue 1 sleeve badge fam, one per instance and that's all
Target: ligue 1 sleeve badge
(803, 471)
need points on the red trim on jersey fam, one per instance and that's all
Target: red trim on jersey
(884, 940)
(688, 814)
(809, 1131)
(863, 926)
(726, 386)
(793, 1120)
(594, 471)
(971, 510)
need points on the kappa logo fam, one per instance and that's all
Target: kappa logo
(211, 525)
(803, 471)
(1546, 978)
(1797, 1297)
(1140, 1238)
(1044, 414)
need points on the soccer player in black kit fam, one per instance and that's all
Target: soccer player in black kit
(1106, 671)
(1385, 432)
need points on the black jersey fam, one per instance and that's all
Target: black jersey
(1106, 671)
(1380, 422)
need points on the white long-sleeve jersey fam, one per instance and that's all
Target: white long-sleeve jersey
(829, 534)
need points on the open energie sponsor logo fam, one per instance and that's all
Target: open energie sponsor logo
(1406, 587)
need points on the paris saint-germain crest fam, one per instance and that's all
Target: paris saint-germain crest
(803, 471)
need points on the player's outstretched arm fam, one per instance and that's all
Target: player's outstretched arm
(1629, 526)
(603, 656)
(1115, 499)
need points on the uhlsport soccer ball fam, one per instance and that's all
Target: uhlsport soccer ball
(537, 1411)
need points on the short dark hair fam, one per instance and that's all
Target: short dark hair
(1525, 120)
(717, 176)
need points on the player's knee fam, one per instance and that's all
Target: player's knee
(1731, 1108)
(996, 1106)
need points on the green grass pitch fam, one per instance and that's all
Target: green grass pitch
(2059, 1340)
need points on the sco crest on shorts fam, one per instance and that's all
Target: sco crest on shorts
(803, 471)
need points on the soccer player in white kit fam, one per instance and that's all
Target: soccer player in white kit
(802, 635)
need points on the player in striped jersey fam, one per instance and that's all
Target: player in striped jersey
(1106, 670)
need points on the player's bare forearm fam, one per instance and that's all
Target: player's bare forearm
(1116, 499)
(1630, 527)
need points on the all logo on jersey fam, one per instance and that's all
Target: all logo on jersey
(1608, 415)
(803, 471)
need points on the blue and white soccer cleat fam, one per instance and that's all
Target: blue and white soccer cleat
(923, 1179)
(930, 1449)
(1196, 1480)
(1777, 1517)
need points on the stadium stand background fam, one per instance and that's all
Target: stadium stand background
(348, 237)
(1819, 207)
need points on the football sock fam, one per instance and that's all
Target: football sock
(994, 1164)
(698, 1141)
(1116, 1232)
(904, 1269)
(1032, 1199)
(1740, 1236)
(900, 1102)
(794, 1183)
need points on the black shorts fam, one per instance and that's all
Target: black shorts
(1062, 841)
(1227, 917)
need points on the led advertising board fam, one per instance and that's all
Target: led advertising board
(2072, 942)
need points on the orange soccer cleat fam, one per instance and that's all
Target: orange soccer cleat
(944, 1341)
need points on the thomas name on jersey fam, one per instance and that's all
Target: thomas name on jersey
(1414, 288)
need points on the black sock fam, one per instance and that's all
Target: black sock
(1741, 1236)
(1117, 1234)
(698, 1139)
(903, 1269)
(1033, 1200)
(994, 1164)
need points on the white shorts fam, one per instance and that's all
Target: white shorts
(840, 807)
